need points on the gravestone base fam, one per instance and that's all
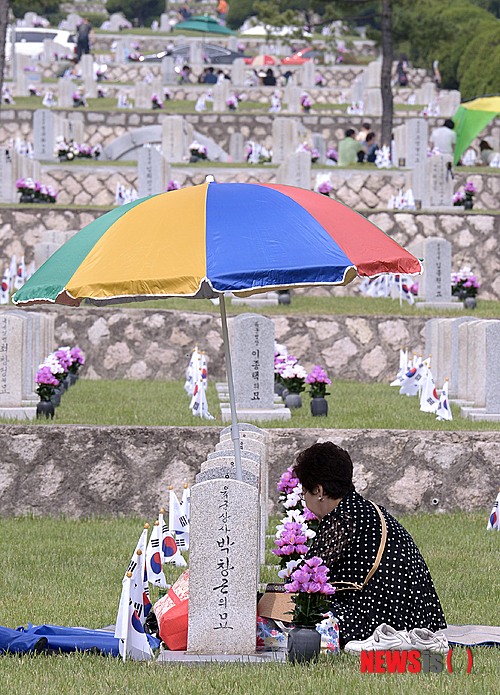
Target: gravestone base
(264, 299)
(479, 415)
(462, 403)
(168, 657)
(21, 413)
(278, 413)
(223, 393)
(439, 305)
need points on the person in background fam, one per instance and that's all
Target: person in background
(371, 148)
(444, 138)
(185, 13)
(83, 32)
(348, 149)
(222, 10)
(365, 129)
(269, 79)
(436, 74)
(361, 138)
(185, 75)
(486, 152)
(402, 71)
(210, 76)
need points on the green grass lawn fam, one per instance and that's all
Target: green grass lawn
(357, 305)
(352, 405)
(69, 572)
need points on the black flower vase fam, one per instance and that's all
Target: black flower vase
(468, 204)
(25, 198)
(193, 158)
(319, 406)
(278, 388)
(55, 399)
(470, 302)
(73, 378)
(45, 409)
(293, 400)
(304, 644)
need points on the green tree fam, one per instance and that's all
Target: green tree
(50, 9)
(141, 12)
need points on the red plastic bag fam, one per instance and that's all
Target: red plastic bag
(172, 614)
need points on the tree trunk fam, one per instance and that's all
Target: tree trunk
(4, 20)
(386, 77)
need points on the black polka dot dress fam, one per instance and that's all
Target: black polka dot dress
(401, 592)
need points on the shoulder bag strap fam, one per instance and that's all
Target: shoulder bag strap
(346, 586)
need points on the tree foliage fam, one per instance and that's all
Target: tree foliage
(139, 12)
(50, 9)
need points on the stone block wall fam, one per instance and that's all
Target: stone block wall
(83, 471)
(136, 343)
(474, 237)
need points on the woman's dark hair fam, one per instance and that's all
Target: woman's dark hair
(366, 126)
(349, 133)
(328, 465)
(370, 136)
(449, 124)
(483, 145)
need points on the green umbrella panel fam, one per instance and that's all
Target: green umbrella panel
(470, 119)
(203, 23)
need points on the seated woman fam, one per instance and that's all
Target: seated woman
(400, 593)
(486, 152)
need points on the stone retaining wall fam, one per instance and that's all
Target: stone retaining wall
(103, 127)
(84, 471)
(368, 190)
(474, 236)
(135, 343)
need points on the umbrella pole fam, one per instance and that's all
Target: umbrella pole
(235, 433)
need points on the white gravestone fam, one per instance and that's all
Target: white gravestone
(253, 341)
(220, 94)
(237, 147)
(12, 363)
(65, 89)
(44, 134)
(223, 565)
(285, 138)
(238, 72)
(436, 278)
(168, 74)
(153, 172)
(439, 170)
(173, 146)
(88, 77)
(292, 98)
(307, 74)
(296, 170)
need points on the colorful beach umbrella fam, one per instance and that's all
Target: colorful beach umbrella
(470, 119)
(208, 240)
(261, 61)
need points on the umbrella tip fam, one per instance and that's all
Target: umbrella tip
(209, 178)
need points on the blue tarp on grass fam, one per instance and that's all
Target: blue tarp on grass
(55, 638)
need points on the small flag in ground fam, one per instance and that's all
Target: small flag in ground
(185, 514)
(154, 557)
(131, 611)
(403, 368)
(5, 288)
(443, 411)
(193, 362)
(413, 377)
(170, 549)
(20, 278)
(429, 398)
(494, 520)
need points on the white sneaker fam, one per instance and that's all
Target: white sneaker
(425, 640)
(384, 637)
